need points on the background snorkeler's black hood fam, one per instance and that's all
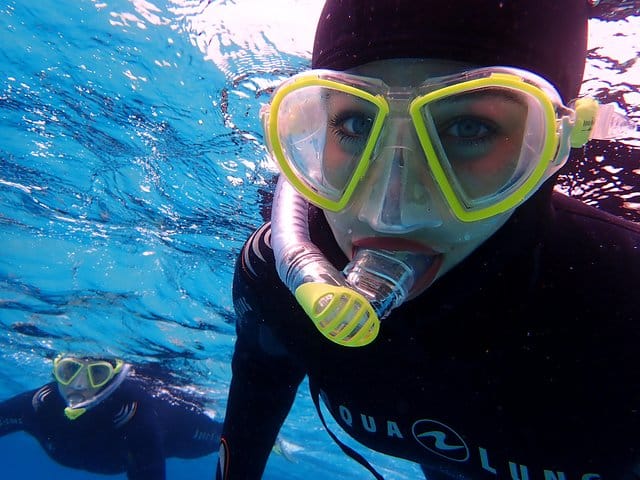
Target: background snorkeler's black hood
(548, 37)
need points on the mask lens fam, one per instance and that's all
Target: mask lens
(324, 133)
(66, 370)
(487, 140)
(100, 373)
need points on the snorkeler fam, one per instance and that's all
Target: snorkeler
(99, 416)
(446, 305)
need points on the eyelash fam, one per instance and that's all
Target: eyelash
(337, 121)
(491, 130)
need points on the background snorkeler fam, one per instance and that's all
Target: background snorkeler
(100, 416)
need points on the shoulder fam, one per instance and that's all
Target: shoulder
(256, 257)
(44, 396)
(256, 260)
(586, 233)
(593, 219)
(126, 403)
(135, 388)
(255, 279)
(256, 289)
(267, 313)
(592, 258)
(31, 402)
(155, 391)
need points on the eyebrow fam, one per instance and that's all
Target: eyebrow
(502, 93)
(335, 95)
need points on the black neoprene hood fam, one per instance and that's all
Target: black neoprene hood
(547, 37)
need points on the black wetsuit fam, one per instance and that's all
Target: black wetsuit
(522, 362)
(130, 431)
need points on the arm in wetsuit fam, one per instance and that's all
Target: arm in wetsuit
(162, 425)
(145, 452)
(265, 379)
(15, 413)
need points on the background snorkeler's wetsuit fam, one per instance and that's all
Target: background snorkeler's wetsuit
(133, 430)
(515, 364)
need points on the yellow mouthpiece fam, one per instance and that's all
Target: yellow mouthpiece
(342, 315)
(73, 413)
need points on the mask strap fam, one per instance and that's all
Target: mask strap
(595, 121)
(315, 395)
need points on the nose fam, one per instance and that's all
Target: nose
(81, 382)
(399, 195)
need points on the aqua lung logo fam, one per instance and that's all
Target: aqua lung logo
(441, 440)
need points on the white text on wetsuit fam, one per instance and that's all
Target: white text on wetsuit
(391, 429)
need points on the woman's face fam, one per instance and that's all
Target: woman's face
(79, 390)
(79, 380)
(397, 206)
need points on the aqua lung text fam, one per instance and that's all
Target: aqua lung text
(443, 441)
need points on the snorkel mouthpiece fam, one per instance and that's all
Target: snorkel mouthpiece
(346, 307)
(342, 314)
(73, 413)
(383, 277)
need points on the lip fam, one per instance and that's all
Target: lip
(394, 245)
(75, 399)
(406, 245)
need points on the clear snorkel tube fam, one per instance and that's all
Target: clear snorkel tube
(345, 306)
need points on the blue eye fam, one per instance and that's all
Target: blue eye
(468, 129)
(357, 126)
(351, 126)
(466, 138)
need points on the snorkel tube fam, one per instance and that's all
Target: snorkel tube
(345, 306)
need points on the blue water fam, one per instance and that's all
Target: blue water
(131, 172)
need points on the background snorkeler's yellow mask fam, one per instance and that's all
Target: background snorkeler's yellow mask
(490, 136)
(99, 372)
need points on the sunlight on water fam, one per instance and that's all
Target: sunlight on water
(613, 70)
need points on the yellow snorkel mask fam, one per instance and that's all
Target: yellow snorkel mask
(490, 137)
(91, 375)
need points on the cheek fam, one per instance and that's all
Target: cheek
(465, 237)
(337, 165)
(486, 176)
(342, 227)
(457, 252)
(62, 390)
(482, 180)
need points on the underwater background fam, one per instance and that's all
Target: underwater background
(132, 170)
